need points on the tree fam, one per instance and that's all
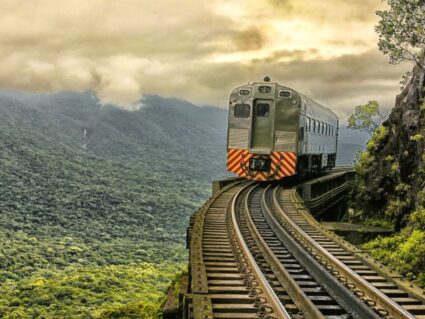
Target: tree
(367, 117)
(401, 31)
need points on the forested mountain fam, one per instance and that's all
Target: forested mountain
(91, 193)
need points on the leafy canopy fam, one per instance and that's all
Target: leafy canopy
(401, 31)
(367, 117)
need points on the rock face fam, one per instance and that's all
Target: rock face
(391, 173)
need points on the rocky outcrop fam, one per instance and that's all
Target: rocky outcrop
(391, 173)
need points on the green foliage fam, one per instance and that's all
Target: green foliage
(378, 195)
(417, 137)
(404, 252)
(401, 30)
(418, 219)
(89, 292)
(367, 117)
(131, 310)
(94, 201)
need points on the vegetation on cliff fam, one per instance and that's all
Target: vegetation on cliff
(390, 183)
(390, 175)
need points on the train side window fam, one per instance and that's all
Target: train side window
(242, 110)
(314, 126)
(263, 109)
(326, 129)
(308, 124)
(318, 127)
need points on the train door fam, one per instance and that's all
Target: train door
(261, 136)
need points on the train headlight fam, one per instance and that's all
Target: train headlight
(259, 164)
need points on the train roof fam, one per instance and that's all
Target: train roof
(304, 98)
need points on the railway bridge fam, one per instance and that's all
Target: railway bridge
(257, 251)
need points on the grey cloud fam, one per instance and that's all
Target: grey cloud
(341, 83)
(249, 39)
(328, 10)
(293, 55)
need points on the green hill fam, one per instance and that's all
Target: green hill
(91, 192)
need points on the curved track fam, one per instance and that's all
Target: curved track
(257, 253)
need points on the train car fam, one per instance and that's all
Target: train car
(275, 132)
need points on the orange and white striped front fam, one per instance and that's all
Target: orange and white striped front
(283, 164)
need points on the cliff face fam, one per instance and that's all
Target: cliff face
(391, 173)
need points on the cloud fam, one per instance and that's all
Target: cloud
(195, 49)
(249, 39)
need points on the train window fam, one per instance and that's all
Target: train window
(244, 92)
(326, 129)
(242, 110)
(286, 94)
(308, 124)
(263, 109)
(318, 127)
(264, 89)
(314, 126)
(323, 128)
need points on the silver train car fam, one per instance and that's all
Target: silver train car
(275, 132)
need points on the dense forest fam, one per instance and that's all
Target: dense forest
(94, 201)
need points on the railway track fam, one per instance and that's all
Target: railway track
(256, 252)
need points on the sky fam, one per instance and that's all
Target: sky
(196, 50)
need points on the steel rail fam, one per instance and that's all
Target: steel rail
(272, 298)
(292, 288)
(410, 288)
(372, 295)
(334, 288)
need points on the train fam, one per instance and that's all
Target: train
(275, 132)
